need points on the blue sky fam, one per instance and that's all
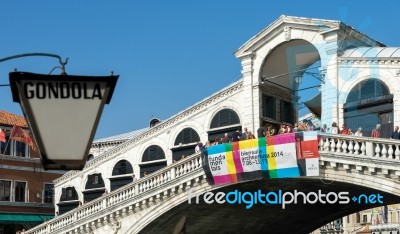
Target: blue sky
(169, 54)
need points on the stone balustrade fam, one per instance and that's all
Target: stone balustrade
(96, 207)
(385, 227)
(138, 193)
(360, 146)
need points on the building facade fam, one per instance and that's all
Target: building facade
(26, 190)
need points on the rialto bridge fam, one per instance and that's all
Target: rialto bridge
(358, 85)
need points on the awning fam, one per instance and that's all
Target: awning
(24, 218)
(314, 105)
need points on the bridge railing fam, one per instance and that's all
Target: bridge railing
(360, 146)
(351, 146)
(117, 197)
(385, 227)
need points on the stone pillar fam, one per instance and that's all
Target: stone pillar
(329, 90)
(396, 109)
(250, 100)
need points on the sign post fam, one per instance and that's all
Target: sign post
(63, 113)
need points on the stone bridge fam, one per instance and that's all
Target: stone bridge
(158, 203)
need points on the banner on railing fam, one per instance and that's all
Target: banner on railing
(281, 156)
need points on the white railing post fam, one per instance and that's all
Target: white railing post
(369, 149)
(326, 144)
(390, 152)
(333, 144)
(357, 148)
(384, 151)
(363, 148)
(397, 152)
(344, 146)
(339, 146)
(104, 203)
(136, 188)
(351, 147)
(377, 150)
(173, 169)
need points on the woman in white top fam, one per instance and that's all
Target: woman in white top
(359, 132)
(335, 128)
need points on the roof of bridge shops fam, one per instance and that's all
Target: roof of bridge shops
(372, 52)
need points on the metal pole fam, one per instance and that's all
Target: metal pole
(63, 72)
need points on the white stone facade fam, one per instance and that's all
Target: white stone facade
(197, 117)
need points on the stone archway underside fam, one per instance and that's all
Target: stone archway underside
(215, 218)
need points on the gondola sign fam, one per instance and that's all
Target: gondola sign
(62, 112)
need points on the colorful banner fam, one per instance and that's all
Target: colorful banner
(281, 156)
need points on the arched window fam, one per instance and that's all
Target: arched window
(68, 200)
(153, 159)
(224, 121)
(225, 117)
(122, 167)
(69, 194)
(94, 187)
(90, 157)
(367, 89)
(94, 181)
(121, 174)
(185, 143)
(153, 122)
(186, 136)
(153, 153)
(369, 103)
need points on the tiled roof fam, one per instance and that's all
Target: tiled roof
(7, 118)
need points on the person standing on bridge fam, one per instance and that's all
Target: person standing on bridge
(335, 128)
(261, 131)
(250, 135)
(359, 132)
(345, 130)
(245, 133)
(395, 134)
(236, 135)
(225, 139)
(376, 132)
(324, 128)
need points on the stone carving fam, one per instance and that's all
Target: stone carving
(116, 226)
(287, 33)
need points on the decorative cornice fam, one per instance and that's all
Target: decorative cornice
(108, 143)
(277, 27)
(122, 148)
(369, 60)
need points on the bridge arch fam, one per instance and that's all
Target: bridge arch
(285, 71)
(209, 215)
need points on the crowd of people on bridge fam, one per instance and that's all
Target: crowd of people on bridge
(306, 125)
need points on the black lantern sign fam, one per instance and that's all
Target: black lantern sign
(62, 112)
